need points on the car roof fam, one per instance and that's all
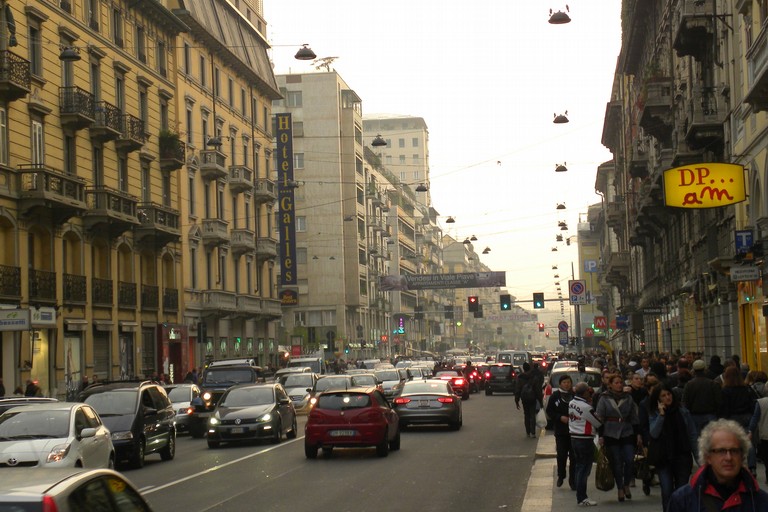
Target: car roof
(356, 389)
(47, 406)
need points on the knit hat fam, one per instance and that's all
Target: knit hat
(699, 365)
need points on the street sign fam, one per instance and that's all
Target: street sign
(745, 273)
(601, 322)
(622, 322)
(562, 326)
(577, 291)
(563, 338)
(744, 239)
(589, 332)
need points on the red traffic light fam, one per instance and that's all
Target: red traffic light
(541, 327)
(472, 303)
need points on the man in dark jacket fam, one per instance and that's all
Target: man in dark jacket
(702, 397)
(528, 389)
(557, 411)
(722, 482)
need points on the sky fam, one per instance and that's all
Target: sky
(487, 76)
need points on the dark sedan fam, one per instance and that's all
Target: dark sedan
(459, 383)
(252, 411)
(428, 402)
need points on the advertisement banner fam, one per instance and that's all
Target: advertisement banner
(14, 320)
(285, 188)
(705, 185)
(442, 281)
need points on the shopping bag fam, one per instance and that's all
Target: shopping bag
(642, 466)
(541, 419)
(603, 475)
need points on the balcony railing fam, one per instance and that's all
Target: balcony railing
(266, 248)
(240, 178)
(75, 290)
(10, 281)
(126, 294)
(102, 292)
(108, 122)
(150, 297)
(170, 300)
(15, 76)
(77, 107)
(212, 164)
(111, 208)
(706, 114)
(693, 25)
(132, 136)
(265, 191)
(248, 304)
(42, 285)
(243, 240)
(172, 154)
(215, 231)
(158, 223)
(63, 195)
(218, 302)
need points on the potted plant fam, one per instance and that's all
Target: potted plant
(168, 141)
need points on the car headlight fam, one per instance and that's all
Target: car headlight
(119, 436)
(214, 420)
(207, 396)
(267, 417)
(58, 453)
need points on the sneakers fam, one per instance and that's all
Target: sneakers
(587, 503)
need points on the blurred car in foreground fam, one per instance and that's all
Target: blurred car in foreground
(459, 383)
(428, 402)
(10, 402)
(352, 418)
(68, 490)
(252, 411)
(58, 434)
(500, 378)
(181, 396)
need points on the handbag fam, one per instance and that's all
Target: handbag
(541, 419)
(603, 475)
(642, 466)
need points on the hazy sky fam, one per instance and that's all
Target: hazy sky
(487, 77)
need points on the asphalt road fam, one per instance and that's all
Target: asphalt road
(484, 466)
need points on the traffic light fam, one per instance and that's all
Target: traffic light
(448, 312)
(541, 327)
(538, 300)
(473, 305)
(505, 302)
(546, 334)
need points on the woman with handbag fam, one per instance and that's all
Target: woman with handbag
(620, 435)
(673, 440)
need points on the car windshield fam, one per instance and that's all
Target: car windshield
(499, 370)
(591, 378)
(179, 394)
(332, 382)
(27, 424)
(425, 386)
(248, 397)
(342, 401)
(364, 380)
(226, 375)
(303, 380)
(117, 402)
(519, 359)
(388, 375)
(449, 373)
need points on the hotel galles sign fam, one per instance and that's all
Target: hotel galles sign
(705, 185)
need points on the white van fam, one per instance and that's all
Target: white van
(515, 357)
(316, 363)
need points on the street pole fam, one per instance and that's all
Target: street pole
(578, 315)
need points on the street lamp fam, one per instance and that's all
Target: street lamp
(561, 118)
(305, 53)
(561, 168)
(559, 17)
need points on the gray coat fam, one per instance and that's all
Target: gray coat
(620, 418)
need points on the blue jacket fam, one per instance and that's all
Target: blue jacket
(747, 498)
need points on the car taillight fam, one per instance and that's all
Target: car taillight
(402, 401)
(475, 374)
(444, 400)
(459, 382)
(190, 410)
(49, 505)
(487, 375)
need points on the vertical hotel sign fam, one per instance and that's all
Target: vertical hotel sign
(287, 211)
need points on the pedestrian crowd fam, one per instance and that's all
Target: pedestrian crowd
(655, 416)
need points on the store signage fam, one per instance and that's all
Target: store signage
(285, 188)
(705, 185)
(14, 320)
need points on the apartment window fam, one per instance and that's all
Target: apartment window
(246, 160)
(187, 58)
(216, 82)
(70, 154)
(416, 175)
(298, 160)
(388, 159)
(117, 27)
(207, 199)
(192, 202)
(204, 127)
(98, 166)
(232, 145)
(298, 128)
(403, 176)
(144, 107)
(415, 159)
(120, 91)
(247, 215)
(35, 48)
(209, 270)
(95, 69)
(220, 204)
(164, 114)
(231, 92)
(66, 5)
(402, 159)
(401, 143)
(301, 255)
(160, 56)
(189, 125)
(222, 270)
(166, 189)
(38, 142)
(301, 224)
(92, 14)
(203, 74)
(415, 142)
(146, 177)
(248, 277)
(193, 267)
(243, 102)
(389, 143)
(265, 115)
(141, 44)
(122, 174)
(235, 215)
(292, 99)
(3, 135)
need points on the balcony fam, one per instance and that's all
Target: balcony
(77, 108)
(173, 152)
(50, 191)
(42, 286)
(126, 295)
(108, 122)
(705, 116)
(10, 282)
(617, 268)
(15, 76)
(757, 72)
(655, 116)
(240, 179)
(638, 166)
(616, 213)
(110, 211)
(132, 136)
(102, 292)
(158, 225)
(243, 241)
(150, 297)
(265, 191)
(170, 300)
(266, 248)
(693, 28)
(75, 289)
(215, 232)
(271, 308)
(213, 164)
(249, 304)
(218, 303)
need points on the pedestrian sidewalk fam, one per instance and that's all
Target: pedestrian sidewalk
(542, 495)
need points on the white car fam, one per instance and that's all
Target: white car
(181, 396)
(58, 434)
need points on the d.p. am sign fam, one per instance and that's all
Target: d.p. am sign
(706, 185)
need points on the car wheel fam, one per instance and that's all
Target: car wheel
(169, 452)
(278, 436)
(310, 451)
(137, 461)
(394, 444)
(294, 430)
(213, 444)
(456, 425)
(382, 449)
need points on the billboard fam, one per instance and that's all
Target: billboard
(285, 187)
(407, 282)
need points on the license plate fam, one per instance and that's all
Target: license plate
(236, 430)
(423, 403)
(343, 433)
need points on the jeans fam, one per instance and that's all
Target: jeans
(622, 458)
(564, 454)
(529, 411)
(583, 458)
(674, 474)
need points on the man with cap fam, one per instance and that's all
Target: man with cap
(702, 397)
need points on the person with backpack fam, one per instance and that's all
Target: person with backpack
(528, 389)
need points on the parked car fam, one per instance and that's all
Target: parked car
(590, 375)
(500, 378)
(140, 417)
(17, 401)
(55, 434)
(352, 418)
(299, 387)
(391, 381)
(428, 401)
(69, 489)
(252, 411)
(181, 396)
(459, 383)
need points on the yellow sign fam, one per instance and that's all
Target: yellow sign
(607, 346)
(706, 185)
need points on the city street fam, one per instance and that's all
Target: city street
(484, 466)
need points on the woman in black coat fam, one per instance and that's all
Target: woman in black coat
(557, 411)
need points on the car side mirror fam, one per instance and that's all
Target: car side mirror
(87, 432)
(284, 401)
(149, 411)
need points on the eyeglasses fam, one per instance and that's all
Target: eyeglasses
(720, 452)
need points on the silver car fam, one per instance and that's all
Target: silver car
(181, 396)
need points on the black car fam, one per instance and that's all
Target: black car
(140, 417)
(500, 378)
(252, 411)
